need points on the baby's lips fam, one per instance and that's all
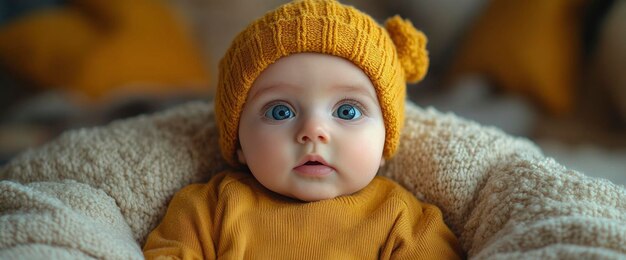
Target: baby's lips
(314, 170)
(310, 159)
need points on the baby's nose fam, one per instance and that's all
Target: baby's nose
(313, 130)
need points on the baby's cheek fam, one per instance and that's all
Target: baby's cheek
(260, 146)
(363, 155)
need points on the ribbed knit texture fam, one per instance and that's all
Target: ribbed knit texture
(321, 26)
(235, 217)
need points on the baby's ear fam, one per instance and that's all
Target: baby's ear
(241, 157)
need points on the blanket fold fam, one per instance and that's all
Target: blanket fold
(535, 205)
(97, 193)
(62, 219)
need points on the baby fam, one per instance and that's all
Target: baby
(310, 100)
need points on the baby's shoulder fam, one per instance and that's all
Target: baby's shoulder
(406, 203)
(391, 188)
(218, 184)
(395, 193)
(234, 180)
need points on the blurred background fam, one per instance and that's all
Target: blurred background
(551, 71)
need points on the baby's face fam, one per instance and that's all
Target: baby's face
(312, 128)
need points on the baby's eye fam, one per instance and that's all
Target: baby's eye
(348, 112)
(279, 112)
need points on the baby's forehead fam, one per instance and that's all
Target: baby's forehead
(313, 70)
(305, 91)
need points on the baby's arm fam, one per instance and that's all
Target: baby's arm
(421, 233)
(186, 229)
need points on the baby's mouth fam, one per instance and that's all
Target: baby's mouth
(313, 163)
(314, 167)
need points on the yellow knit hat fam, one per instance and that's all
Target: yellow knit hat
(390, 57)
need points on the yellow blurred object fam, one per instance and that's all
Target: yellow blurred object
(532, 47)
(105, 47)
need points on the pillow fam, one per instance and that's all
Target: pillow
(528, 47)
(99, 49)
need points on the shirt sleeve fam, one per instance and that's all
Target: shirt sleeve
(186, 230)
(420, 233)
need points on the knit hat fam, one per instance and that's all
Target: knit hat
(390, 57)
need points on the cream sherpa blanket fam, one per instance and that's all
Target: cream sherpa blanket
(98, 192)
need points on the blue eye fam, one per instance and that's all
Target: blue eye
(348, 112)
(279, 112)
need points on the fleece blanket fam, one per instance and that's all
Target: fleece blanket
(97, 193)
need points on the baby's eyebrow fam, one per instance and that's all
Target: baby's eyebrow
(363, 90)
(367, 91)
(255, 92)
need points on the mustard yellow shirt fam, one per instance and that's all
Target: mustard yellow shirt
(234, 217)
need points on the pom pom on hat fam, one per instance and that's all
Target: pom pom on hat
(411, 47)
